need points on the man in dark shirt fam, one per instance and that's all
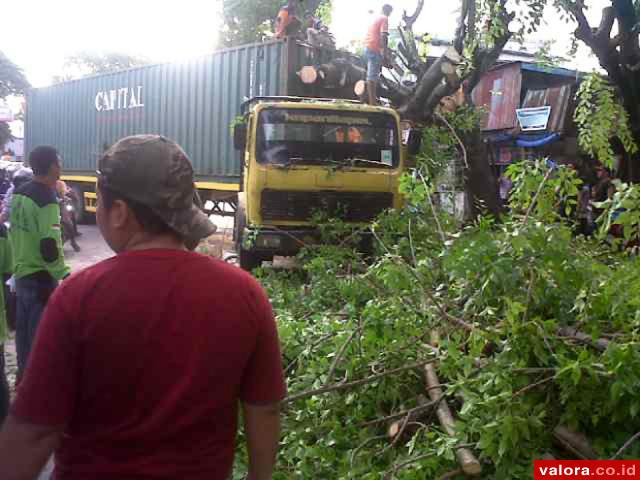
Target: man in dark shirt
(36, 241)
(141, 361)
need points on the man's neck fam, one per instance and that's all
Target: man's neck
(45, 181)
(143, 241)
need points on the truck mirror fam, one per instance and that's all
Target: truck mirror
(414, 142)
(240, 136)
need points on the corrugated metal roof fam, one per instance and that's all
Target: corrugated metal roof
(564, 72)
(557, 98)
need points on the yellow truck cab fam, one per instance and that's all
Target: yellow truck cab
(304, 155)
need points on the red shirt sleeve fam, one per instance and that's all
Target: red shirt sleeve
(384, 25)
(263, 381)
(47, 392)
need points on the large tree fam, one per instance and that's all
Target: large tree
(12, 82)
(249, 21)
(83, 64)
(615, 41)
(482, 31)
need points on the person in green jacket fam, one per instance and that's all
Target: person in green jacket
(6, 269)
(36, 242)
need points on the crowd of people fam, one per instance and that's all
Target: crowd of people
(137, 366)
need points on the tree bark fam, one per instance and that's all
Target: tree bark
(420, 103)
(466, 459)
(620, 57)
(481, 184)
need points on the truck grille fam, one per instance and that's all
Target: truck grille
(300, 206)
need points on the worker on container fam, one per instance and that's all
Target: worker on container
(376, 45)
(35, 236)
(142, 360)
(287, 21)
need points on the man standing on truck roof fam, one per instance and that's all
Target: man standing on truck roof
(141, 360)
(35, 237)
(287, 21)
(375, 49)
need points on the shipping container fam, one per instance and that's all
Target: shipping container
(193, 102)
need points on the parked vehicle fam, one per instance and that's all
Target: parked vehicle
(291, 163)
(301, 156)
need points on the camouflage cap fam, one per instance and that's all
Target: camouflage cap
(154, 171)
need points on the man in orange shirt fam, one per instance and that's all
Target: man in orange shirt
(375, 46)
(287, 21)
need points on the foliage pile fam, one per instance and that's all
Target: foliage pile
(487, 303)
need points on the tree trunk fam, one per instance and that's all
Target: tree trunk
(481, 184)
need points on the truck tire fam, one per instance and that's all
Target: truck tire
(82, 216)
(247, 259)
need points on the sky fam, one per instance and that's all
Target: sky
(39, 34)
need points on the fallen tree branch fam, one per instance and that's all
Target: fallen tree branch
(433, 210)
(600, 344)
(364, 444)
(626, 445)
(315, 344)
(452, 474)
(532, 386)
(440, 117)
(466, 459)
(535, 197)
(341, 353)
(390, 473)
(396, 429)
(356, 383)
(417, 411)
(575, 442)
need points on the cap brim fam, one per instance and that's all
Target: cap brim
(193, 224)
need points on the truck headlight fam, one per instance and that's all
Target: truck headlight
(268, 241)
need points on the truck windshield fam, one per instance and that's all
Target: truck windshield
(327, 137)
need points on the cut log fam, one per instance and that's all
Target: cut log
(601, 344)
(466, 459)
(308, 75)
(450, 74)
(395, 427)
(433, 83)
(574, 442)
(360, 88)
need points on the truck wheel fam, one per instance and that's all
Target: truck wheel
(249, 261)
(82, 216)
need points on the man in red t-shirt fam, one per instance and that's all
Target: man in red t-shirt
(140, 361)
(374, 51)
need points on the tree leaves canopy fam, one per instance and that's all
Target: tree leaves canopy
(83, 64)
(249, 21)
(12, 79)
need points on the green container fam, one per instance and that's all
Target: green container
(192, 102)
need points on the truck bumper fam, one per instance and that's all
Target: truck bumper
(269, 242)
